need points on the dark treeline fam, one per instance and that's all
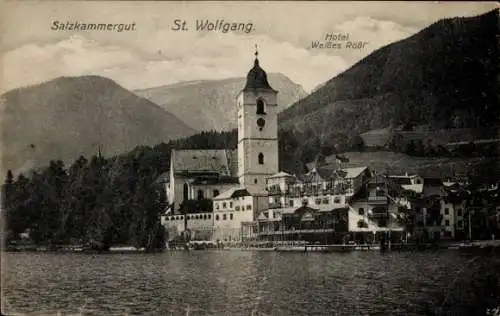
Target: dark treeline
(98, 201)
(101, 202)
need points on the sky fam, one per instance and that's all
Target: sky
(153, 54)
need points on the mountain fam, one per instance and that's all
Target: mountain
(446, 76)
(210, 104)
(72, 116)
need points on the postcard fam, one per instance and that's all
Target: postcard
(250, 158)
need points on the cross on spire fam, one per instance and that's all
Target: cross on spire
(256, 63)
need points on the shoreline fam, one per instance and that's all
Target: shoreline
(474, 245)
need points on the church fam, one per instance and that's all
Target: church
(239, 194)
(234, 180)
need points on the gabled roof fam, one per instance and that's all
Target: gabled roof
(262, 216)
(302, 210)
(354, 172)
(418, 188)
(377, 179)
(280, 175)
(314, 175)
(204, 160)
(328, 173)
(236, 191)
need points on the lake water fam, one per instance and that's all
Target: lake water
(248, 283)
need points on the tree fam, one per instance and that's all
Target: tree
(7, 190)
(410, 148)
(12, 192)
(429, 149)
(396, 142)
(419, 148)
(357, 143)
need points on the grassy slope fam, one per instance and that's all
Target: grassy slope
(399, 163)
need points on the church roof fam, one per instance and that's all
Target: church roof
(210, 180)
(257, 78)
(221, 161)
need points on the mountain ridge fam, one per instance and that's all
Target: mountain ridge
(66, 117)
(210, 104)
(413, 81)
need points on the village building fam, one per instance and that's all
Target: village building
(325, 205)
(232, 210)
(375, 210)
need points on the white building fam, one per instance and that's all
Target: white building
(233, 208)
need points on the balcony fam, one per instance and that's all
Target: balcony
(297, 231)
(377, 199)
(275, 205)
(378, 213)
(274, 190)
(294, 193)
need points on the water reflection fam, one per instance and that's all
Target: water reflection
(242, 283)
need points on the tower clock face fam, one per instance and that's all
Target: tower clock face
(261, 122)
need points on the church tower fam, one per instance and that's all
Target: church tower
(257, 130)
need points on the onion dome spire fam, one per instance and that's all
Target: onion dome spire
(257, 77)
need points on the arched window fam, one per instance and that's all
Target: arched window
(260, 107)
(231, 216)
(261, 158)
(185, 192)
(224, 216)
(200, 195)
(217, 217)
